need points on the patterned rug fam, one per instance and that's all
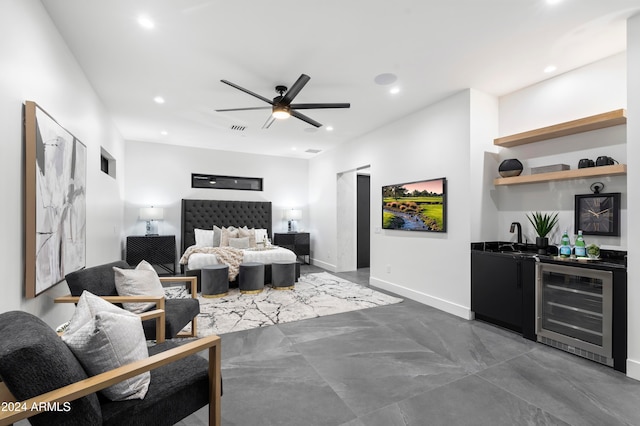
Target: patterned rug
(314, 295)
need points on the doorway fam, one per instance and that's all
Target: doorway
(363, 224)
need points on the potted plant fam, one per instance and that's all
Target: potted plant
(543, 224)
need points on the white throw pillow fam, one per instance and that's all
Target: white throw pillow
(142, 281)
(204, 237)
(239, 243)
(261, 235)
(103, 337)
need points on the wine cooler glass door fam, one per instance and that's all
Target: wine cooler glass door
(573, 307)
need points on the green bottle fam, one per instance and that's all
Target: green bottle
(565, 245)
(581, 247)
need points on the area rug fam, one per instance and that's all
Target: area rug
(314, 295)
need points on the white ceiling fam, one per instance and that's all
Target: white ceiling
(436, 48)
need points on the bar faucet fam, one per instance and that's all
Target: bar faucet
(515, 225)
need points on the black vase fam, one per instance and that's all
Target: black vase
(510, 167)
(542, 244)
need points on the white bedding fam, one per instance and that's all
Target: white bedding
(198, 260)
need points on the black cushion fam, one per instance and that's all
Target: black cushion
(34, 360)
(178, 313)
(99, 280)
(176, 390)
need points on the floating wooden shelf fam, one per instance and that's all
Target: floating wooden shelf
(595, 122)
(615, 170)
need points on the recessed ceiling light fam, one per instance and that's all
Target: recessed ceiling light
(553, 1)
(385, 79)
(550, 68)
(293, 148)
(394, 90)
(164, 133)
(158, 100)
(329, 128)
(146, 22)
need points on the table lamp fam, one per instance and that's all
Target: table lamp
(151, 215)
(292, 216)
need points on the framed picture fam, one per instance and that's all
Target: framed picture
(55, 201)
(415, 206)
(598, 214)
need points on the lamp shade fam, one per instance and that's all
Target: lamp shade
(151, 213)
(294, 214)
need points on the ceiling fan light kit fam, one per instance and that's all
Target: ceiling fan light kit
(281, 106)
(281, 112)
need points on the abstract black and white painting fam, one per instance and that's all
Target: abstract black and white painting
(55, 202)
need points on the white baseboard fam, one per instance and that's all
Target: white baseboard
(443, 305)
(633, 369)
(324, 265)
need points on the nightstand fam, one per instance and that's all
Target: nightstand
(297, 242)
(158, 250)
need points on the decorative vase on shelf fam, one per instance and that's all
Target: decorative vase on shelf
(510, 167)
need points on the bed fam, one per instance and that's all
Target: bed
(204, 214)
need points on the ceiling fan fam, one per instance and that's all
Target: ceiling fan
(281, 106)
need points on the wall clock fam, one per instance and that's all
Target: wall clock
(598, 214)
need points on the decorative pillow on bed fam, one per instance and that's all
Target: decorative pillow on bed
(227, 233)
(260, 234)
(240, 243)
(208, 237)
(142, 281)
(103, 337)
(248, 233)
(204, 237)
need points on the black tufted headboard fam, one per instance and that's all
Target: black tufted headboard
(203, 214)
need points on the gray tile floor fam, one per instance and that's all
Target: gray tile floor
(409, 364)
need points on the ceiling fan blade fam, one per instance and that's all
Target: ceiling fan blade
(319, 106)
(242, 109)
(303, 117)
(269, 122)
(248, 92)
(295, 89)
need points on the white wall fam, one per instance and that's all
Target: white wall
(37, 65)
(160, 175)
(590, 90)
(483, 165)
(432, 143)
(633, 198)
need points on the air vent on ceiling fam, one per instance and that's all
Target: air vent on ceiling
(313, 151)
(238, 128)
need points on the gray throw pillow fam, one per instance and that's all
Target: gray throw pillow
(103, 337)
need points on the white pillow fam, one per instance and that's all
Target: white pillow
(103, 337)
(260, 234)
(239, 243)
(142, 281)
(204, 237)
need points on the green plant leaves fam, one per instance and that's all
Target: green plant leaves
(543, 223)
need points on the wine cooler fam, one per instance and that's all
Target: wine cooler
(574, 310)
